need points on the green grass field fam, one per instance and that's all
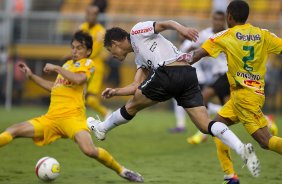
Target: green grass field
(142, 145)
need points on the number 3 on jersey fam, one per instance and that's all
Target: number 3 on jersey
(250, 57)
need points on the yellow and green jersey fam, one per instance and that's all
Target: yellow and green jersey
(246, 48)
(67, 98)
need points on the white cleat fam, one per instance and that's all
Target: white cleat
(250, 159)
(131, 176)
(93, 125)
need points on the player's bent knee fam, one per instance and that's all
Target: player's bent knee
(18, 130)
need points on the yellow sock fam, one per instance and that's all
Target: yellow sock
(275, 144)
(94, 103)
(105, 158)
(224, 156)
(5, 138)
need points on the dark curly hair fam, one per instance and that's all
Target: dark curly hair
(83, 38)
(116, 34)
(239, 10)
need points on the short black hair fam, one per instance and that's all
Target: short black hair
(116, 34)
(219, 12)
(84, 38)
(239, 10)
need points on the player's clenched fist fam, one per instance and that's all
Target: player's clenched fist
(50, 68)
(108, 93)
(25, 69)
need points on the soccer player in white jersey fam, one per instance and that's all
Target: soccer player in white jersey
(208, 71)
(171, 77)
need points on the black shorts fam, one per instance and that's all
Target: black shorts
(221, 87)
(179, 82)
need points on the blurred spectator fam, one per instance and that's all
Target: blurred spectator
(3, 69)
(97, 32)
(18, 79)
(220, 5)
(113, 77)
(101, 4)
(273, 84)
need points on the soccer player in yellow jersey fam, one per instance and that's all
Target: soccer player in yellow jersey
(246, 48)
(97, 31)
(66, 117)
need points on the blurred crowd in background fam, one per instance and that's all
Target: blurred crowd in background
(38, 31)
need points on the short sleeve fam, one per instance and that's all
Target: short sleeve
(86, 67)
(145, 29)
(274, 43)
(212, 47)
(139, 62)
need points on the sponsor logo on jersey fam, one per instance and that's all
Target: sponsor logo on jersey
(144, 30)
(61, 81)
(248, 37)
(252, 83)
(250, 76)
(77, 64)
(259, 92)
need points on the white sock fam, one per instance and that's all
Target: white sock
(213, 108)
(113, 120)
(222, 132)
(180, 115)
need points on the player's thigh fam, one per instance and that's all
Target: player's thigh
(200, 118)
(227, 114)
(70, 126)
(247, 106)
(138, 102)
(24, 129)
(46, 129)
(85, 143)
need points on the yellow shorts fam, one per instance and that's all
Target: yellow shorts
(48, 129)
(244, 106)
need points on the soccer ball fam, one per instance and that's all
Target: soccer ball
(47, 169)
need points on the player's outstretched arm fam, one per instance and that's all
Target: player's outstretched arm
(130, 89)
(197, 55)
(76, 78)
(35, 78)
(186, 32)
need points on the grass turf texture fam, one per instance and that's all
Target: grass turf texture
(143, 145)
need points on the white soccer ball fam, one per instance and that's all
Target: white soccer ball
(47, 169)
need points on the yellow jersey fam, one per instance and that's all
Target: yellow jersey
(97, 33)
(68, 99)
(246, 48)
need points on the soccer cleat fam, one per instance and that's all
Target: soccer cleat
(177, 130)
(197, 138)
(131, 176)
(93, 125)
(233, 180)
(250, 159)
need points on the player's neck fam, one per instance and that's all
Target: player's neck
(237, 24)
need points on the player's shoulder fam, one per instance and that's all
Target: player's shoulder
(83, 26)
(142, 27)
(220, 35)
